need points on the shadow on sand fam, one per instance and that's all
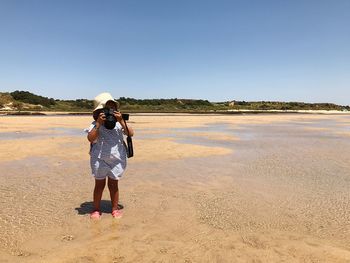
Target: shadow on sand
(87, 207)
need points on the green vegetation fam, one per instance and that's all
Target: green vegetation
(165, 105)
(27, 97)
(26, 101)
(274, 105)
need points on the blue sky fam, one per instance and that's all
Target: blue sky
(215, 50)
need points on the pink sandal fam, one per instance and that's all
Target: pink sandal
(95, 215)
(117, 213)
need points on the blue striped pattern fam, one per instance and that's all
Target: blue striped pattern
(108, 153)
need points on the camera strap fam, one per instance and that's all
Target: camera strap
(129, 148)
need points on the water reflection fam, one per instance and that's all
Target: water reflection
(49, 132)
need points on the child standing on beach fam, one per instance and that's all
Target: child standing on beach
(107, 154)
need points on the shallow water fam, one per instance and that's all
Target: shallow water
(301, 175)
(49, 132)
(249, 132)
(281, 178)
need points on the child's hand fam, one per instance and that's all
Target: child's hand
(101, 118)
(118, 116)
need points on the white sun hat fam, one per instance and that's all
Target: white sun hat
(101, 100)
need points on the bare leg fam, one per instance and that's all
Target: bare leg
(113, 190)
(99, 186)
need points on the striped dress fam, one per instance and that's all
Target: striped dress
(108, 153)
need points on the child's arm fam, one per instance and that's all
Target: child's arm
(120, 119)
(126, 130)
(93, 134)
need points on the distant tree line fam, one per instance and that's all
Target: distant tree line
(20, 98)
(274, 105)
(50, 103)
(166, 104)
(27, 97)
(82, 104)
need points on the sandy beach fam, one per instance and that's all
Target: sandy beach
(201, 188)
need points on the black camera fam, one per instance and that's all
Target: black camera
(110, 118)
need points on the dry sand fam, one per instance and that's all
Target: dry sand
(218, 188)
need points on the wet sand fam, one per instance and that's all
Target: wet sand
(217, 188)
